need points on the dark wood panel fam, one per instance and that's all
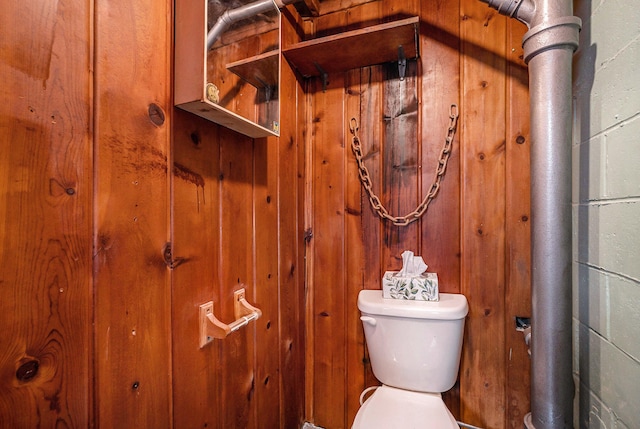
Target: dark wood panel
(361, 244)
(329, 263)
(133, 297)
(370, 135)
(291, 238)
(326, 317)
(45, 215)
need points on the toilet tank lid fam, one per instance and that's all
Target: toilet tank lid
(450, 306)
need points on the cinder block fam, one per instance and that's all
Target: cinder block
(607, 236)
(622, 158)
(625, 315)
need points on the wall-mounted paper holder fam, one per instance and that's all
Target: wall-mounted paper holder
(211, 327)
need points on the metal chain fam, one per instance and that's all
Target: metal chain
(435, 187)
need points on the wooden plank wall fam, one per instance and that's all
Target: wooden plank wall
(98, 173)
(120, 216)
(475, 234)
(132, 153)
(236, 223)
(45, 215)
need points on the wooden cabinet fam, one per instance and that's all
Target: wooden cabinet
(241, 70)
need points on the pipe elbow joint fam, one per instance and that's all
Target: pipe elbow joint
(558, 33)
(522, 10)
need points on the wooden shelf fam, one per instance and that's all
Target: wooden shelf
(354, 49)
(218, 114)
(260, 70)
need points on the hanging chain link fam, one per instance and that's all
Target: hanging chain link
(363, 172)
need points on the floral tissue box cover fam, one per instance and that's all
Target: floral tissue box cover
(420, 288)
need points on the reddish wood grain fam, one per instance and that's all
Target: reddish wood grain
(132, 284)
(237, 215)
(329, 258)
(236, 270)
(45, 215)
(440, 88)
(291, 186)
(197, 395)
(359, 251)
(463, 236)
(235, 221)
(265, 200)
(518, 233)
(483, 372)
(328, 315)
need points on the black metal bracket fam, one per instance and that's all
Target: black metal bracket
(323, 75)
(402, 63)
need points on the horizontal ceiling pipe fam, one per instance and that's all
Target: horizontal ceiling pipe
(548, 50)
(231, 16)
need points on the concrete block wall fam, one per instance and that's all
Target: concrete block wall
(606, 215)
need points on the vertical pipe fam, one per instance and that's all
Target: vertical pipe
(552, 387)
(548, 50)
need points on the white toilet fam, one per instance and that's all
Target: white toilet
(414, 347)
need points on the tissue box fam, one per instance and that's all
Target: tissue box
(420, 288)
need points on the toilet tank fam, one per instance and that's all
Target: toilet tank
(414, 345)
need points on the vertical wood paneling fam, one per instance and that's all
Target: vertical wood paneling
(371, 138)
(440, 66)
(267, 349)
(440, 83)
(518, 233)
(133, 297)
(401, 185)
(45, 215)
(463, 234)
(236, 268)
(290, 234)
(197, 395)
(236, 211)
(483, 374)
(355, 255)
(329, 270)
(370, 133)
(358, 251)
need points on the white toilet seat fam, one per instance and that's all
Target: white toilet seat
(392, 408)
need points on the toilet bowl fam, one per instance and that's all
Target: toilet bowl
(414, 349)
(393, 408)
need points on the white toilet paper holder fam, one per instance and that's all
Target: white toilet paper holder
(211, 327)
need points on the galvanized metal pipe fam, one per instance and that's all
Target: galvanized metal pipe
(248, 10)
(548, 50)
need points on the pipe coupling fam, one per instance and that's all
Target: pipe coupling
(560, 33)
